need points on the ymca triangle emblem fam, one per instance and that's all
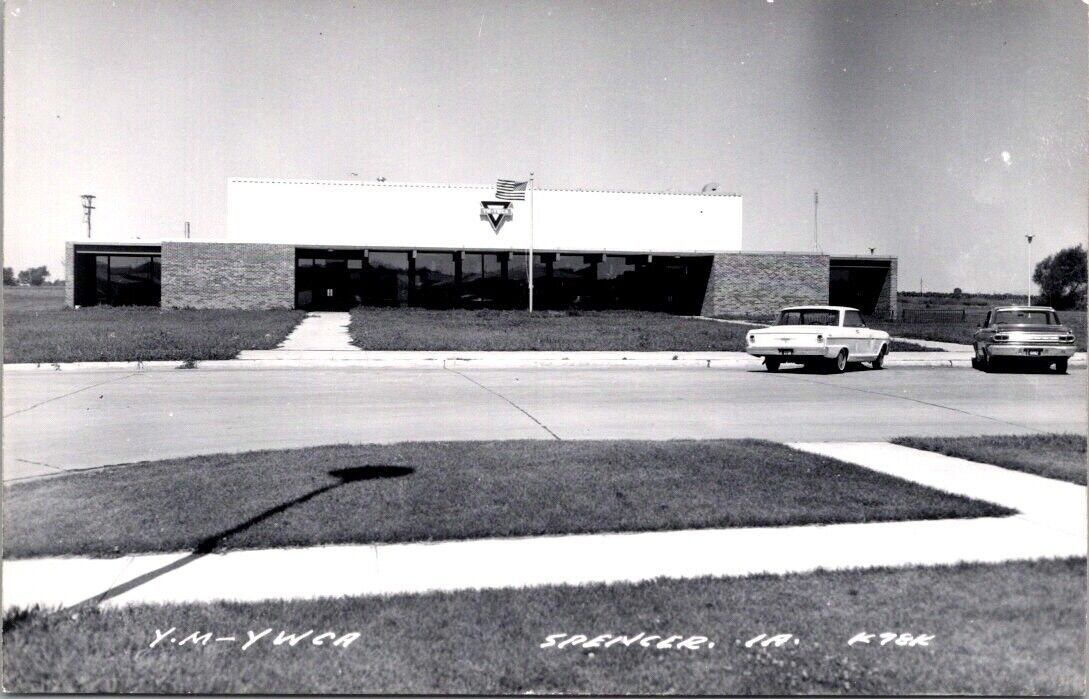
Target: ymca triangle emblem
(496, 212)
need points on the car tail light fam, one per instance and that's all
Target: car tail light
(1066, 338)
(1001, 338)
(820, 338)
(752, 339)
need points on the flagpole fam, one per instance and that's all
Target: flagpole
(530, 262)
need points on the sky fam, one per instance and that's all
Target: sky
(938, 132)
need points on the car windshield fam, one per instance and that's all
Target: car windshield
(1025, 317)
(809, 316)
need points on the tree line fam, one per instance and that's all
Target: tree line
(34, 276)
(1062, 278)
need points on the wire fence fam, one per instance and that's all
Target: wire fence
(941, 315)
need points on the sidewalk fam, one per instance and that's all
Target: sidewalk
(454, 359)
(1051, 523)
(322, 331)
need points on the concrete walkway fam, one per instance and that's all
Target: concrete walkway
(1051, 523)
(455, 359)
(324, 332)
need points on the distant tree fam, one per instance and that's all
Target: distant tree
(957, 292)
(1062, 277)
(9, 276)
(35, 276)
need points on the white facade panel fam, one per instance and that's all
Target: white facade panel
(355, 214)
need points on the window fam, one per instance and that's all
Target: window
(481, 283)
(809, 316)
(853, 319)
(1025, 317)
(435, 280)
(127, 280)
(387, 281)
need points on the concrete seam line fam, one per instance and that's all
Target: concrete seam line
(70, 393)
(509, 401)
(933, 405)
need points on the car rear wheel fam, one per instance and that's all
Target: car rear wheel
(1060, 365)
(771, 364)
(879, 363)
(839, 364)
(985, 362)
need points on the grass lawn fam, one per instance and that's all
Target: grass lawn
(1060, 456)
(901, 346)
(1008, 629)
(635, 331)
(963, 332)
(421, 329)
(37, 329)
(452, 490)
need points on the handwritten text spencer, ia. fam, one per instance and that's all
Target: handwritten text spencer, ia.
(681, 642)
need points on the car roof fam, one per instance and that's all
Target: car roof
(1023, 308)
(818, 308)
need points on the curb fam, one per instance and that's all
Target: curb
(500, 360)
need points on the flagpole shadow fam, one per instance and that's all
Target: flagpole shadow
(209, 544)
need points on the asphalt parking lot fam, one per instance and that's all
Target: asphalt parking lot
(55, 421)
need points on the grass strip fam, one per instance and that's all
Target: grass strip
(1060, 456)
(1007, 629)
(38, 330)
(421, 491)
(568, 331)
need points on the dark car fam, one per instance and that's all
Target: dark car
(1031, 335)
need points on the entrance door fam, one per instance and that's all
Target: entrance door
(325, 284)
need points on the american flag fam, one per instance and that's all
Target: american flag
(509, 190)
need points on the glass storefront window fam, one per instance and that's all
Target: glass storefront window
(386, 282)
(481, 284)
(127, 280)
(436, 282)
(571, 283)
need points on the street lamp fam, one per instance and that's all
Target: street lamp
(1028, 298)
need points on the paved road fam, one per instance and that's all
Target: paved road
(68, 420)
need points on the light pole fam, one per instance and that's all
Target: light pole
(1028, 298)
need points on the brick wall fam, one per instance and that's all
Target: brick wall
(762, 283)
(227, 275)
(69, 274)
(893, 301)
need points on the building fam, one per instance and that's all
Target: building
(335, 245)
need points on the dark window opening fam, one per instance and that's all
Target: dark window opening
(117, 280)
(340, 280)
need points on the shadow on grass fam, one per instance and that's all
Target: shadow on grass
(208, 545)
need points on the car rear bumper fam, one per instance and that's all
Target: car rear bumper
(788, 353)
(1030, 351)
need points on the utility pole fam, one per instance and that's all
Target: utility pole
(88, 207)
(816, 237)
(1028, 298)
(186, 229)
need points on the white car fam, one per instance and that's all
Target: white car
(830, 336)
